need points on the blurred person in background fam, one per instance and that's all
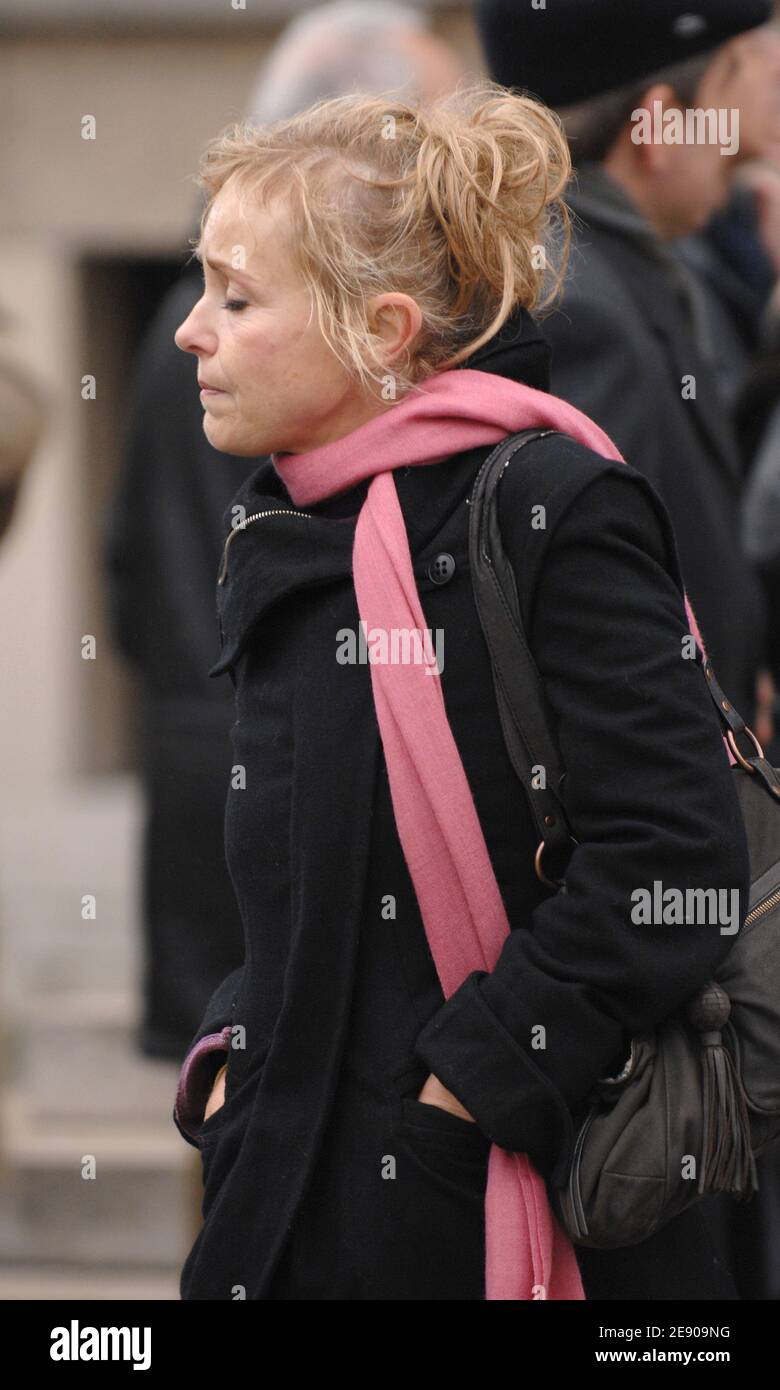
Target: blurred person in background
(758, 419)
(736, 260)
(757, 411)
(736, 256)
(758, 402)
(633, 328)
(24, 412)
(163, 544)
(629, 341)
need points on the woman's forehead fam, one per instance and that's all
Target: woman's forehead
(241, 236)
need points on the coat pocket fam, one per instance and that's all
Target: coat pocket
(214, 1122)
(442, 1149)
(219, 1138)
(212, 1125)
(420, 1115)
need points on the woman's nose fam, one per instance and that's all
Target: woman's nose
(183, 335)
(193, 334)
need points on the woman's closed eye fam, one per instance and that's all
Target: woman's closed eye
(234, 304)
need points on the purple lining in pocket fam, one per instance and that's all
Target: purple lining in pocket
(196, 1080)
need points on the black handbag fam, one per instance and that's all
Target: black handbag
(705, 1082)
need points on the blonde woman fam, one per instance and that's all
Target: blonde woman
(375, 1115)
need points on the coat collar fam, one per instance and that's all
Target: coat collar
(286, 548)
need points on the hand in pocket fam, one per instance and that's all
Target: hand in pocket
(434, 1092)
(217, 1095)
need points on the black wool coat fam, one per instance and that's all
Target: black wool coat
(324, 1176)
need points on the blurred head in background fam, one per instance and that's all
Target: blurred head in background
(351, 46)
(670, 96)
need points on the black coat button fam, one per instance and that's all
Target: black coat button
(441, 570)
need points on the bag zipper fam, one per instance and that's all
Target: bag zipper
(242, 525)
(575, 1192)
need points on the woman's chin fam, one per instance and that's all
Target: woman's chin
(218, 434)
(223, 434)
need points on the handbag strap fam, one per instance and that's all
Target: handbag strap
(754, 761)
(518, 686)
(530, 744)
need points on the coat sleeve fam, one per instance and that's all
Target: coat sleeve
(205, 1055)
(650, 796)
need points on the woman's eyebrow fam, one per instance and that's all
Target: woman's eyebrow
(217, 264)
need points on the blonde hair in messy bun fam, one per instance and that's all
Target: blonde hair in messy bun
(457, 203)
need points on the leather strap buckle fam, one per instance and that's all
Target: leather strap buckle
(732, 743)
(549, 882)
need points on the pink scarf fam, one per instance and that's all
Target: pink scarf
(528, 1256)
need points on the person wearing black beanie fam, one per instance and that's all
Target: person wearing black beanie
(629, 340)
(564, 51)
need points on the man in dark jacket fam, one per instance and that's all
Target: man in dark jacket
(629, 344)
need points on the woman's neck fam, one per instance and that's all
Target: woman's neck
(347, 417)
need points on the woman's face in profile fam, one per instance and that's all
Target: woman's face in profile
(277, 385)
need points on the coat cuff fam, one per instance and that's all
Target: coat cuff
(196, 1080)
(468, 1048)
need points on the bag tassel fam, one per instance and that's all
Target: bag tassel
(727, 1156)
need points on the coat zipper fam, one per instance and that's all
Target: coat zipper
(242, 525)
(760, 908)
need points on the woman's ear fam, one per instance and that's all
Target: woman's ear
(397, 320)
